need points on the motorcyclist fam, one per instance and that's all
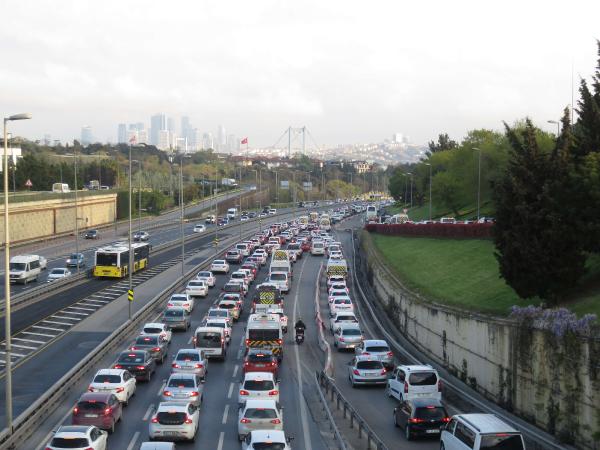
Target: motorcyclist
(299, 327)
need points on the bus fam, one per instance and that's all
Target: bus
(113, 261)
(325, 224)
(371, 213)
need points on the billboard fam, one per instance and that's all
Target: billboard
(307, 185)
(285, 184)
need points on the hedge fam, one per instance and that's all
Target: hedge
(444, 230)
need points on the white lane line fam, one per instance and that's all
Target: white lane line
(235, 370)
(148, 412)
(225, 413)
(190, 340)
(64, 311)
(39, 334)
(12, 344)
(230, 390)
(221, 439)
(48, 328)
(162, 387)
(49, 435)
(303, 414)
(57, 323)
(76, 319)
(103, 302)
(27, 340)
(81, 309)
(133, 440)
(13, 354)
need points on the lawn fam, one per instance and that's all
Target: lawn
(464, 273)
(422, 212)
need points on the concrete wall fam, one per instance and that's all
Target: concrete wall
(552, 382)
(39, 219)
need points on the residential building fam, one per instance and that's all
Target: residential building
(143, 137)
(158, 123)
(122, 133)
(86, 135)
(164, 140)
(221, 138)
(208, 141)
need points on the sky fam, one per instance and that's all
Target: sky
(350, 71)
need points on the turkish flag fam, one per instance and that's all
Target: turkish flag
(245, 140)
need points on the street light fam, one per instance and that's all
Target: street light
(7, 312)
(428, 164)
(557, 123)
(478, 181)
(411, 184)
(139, 195)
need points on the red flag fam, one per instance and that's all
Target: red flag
(132, 140)
(245, 140)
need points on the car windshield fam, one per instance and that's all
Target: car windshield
(74, 256)
(430, 413)
(351, 332)
(17, 266)
(234, 287)
(369, 365)
(171, 417)
(204, 274)
(91, 405)
(208, 339)
(196, 283)
(260, 413)
(131, 358)
(57, 272)
(59, 442)
(147, 340)
(174, 313)
(342, 301)
(217, 313)
(502, 441)
(278, 277)
(218, 262)
(258, 385)
(422, 378)
(226, 305)
(152, 330)
(181, 383)
(188, 357)
(216, 324)
(259, 357)
(377, 349)
(106, 378)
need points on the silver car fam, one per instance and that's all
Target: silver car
(259, 415)
(366, 370)
(176, 319)
(183, 387)
(378, 349)
(347, 335)
(190, 360)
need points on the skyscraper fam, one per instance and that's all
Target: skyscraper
(171, 125)
(86, 135)
(186, 127)
(122, 133)
(221, 138)
(158, 123)
(140, 126)
(207, 141)
(164, 138)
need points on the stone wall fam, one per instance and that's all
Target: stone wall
(552, 382)
(40, 219)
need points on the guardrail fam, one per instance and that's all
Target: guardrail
(320, 325)
(363, 428)
(333, 426)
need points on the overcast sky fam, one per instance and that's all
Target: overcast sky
(351, 71)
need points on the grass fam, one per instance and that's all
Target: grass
(464, 273)
(422, 212)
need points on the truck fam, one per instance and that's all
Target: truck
(280, 262)
(337, 267)
(232, 213)
(228, 182)
(264, 332)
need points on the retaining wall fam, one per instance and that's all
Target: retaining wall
(552, 382)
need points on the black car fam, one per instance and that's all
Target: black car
(252, 215)
(233, 257)
(139, 363)
(421, 417)
(153, 344)
(91, 234)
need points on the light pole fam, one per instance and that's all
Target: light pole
(428, 164)
(7, 312)
(130, 266)
(411, 183)
(216, 200)
(181, 199)
(139, 196)
(557, 123)
(240, 201)
(478, 181)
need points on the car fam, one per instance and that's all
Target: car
(252, 267)
(157, 328)
(281, 280)
(317, 248)
(76, 260)
(272, 211)
(154, 344)
(340, 304)
(243, 218)
(183, 387)
(335, 279)
(341, 317)
(78, 437)
(261, 253)
(210, 219)
(236, 287)
(199, 228)
(190, 360)
(409, 382)
(378, 349)
(177, 318)
(218, 313)
(347, 335)
(231, 296)
(220, 266)
(196, 288)
(91, 234)
(241, 277)
(138, 363)
(157, 446)
(258, 385)
(181, 301)
(207, 276)
(260, 360)
(337, 293)
(58, 273)
(100, 409)
(233, 307)
(283, 319)
(233, 257)
(259, 415)
(220, 322)
(211, 340)
(141, 236)
(421, 417)
(174, 421)
(115, 381)
(366, 370)
(222, 221)
(266, 439)
(481, 431)
(339, 287)
(251, 215)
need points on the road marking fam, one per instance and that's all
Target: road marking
(82, 309)
(38, 334)
(51, 433)
(148, 412)
(104, 302)
(221, 439)
(76, 319)
(303, 415)
(190, 339)
(133, 440)
(225, 413)
(27, 340)
(76, 313)
(162, 386)
(230, 390)
(48, 328)
(235, 370)
(57, 323)
(22, 346)
(13, 354)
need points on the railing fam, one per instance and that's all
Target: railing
(332, 425)
(348, 411)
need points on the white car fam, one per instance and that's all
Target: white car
(341, 304)
(207, 276)
(58, 274)
(272, 211)
(338, 287)
(181, 301)
(197, 288)
(220, 266)
(259, 415)
(199, 228)
(341, 317)
(242, 277)
(116, 381)
(223, 323)
(157, 328)
(274, 439)
(258, 385)
(78, 437)
(335, 279)
(174, 421)
(336, 293)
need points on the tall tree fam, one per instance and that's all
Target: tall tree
(444, 143)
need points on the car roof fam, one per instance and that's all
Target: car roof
(258, 375)
(368, 342)
(253, 403)
(95, 396)
(73, 430)
(154, 324)
(425, 401)
(172, 406)
(157, 446)
(209, 329)
(366, 358)
(486, 423)
(348, 325)
(268, 435)
(417, 368)
(189, 350)
(182, 376)
(110, 372)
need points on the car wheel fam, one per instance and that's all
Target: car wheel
(241, 437)
(126, 402)
(442, 446)
(407, 433)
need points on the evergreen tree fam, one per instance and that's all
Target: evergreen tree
(444, 143)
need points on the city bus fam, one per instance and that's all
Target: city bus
(113, 261)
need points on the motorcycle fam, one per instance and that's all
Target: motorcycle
(299, 337)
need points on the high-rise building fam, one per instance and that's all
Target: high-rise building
(122, 133)
(86, 135)
(171, 125)
(221, 138)
(186, 127)
(397, 138)
(233, 145)
(164, 140)
(158, 123)
(142, 136)
(207, 141)
(181, 144)
(140, 126)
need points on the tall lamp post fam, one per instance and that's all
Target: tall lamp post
(557, 123)
(478, 181)
(411, 183)
(139, 195)
(7, 313)
(428, 164)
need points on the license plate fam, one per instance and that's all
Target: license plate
(432, 431)
(91, 415)
(260, 365)
(171, 433)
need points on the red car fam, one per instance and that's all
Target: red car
(258, 360)
(101, 409)
(305, 246)
(250, 266)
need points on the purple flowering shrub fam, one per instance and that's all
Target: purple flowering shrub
(558, 321)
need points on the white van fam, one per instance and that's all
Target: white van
(211, 340)
(409, 382)
(60, 187)
(477, 431)
(25, 268)
(281, 280)
(232, 213)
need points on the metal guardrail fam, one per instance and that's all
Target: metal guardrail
(363, 428)
(334, 428)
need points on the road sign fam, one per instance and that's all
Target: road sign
(28, 183)
(216, 242)
(130, 295)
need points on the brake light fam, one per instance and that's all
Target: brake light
(356, 372)
(132, 348)
(156, 349)
(439, 385)
(198, 366)
(366, 353)
(169, 304)
(279, 341)
(120, 389)
(273, 363)
(383, 372)
(140, 367)
(276, 421)
(167, 393)
(76, 410)
(244, 420)
(243, 392)
(405, 387)
(247, 342)
(246, 364)
(176, 366)
(342, 339)
(416, 420)
(154, 419)
(186, 304)
(118, 366)
(446, 419)
(188, 420)
(107, 411)
(194, 394)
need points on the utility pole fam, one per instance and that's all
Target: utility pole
(304, 140)
(181, 199)
(289, 142)
(130, 266)
(76, 209)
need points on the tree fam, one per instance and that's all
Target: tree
(397, 185)
(444, 143)
(538, 250)
(447, 190)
